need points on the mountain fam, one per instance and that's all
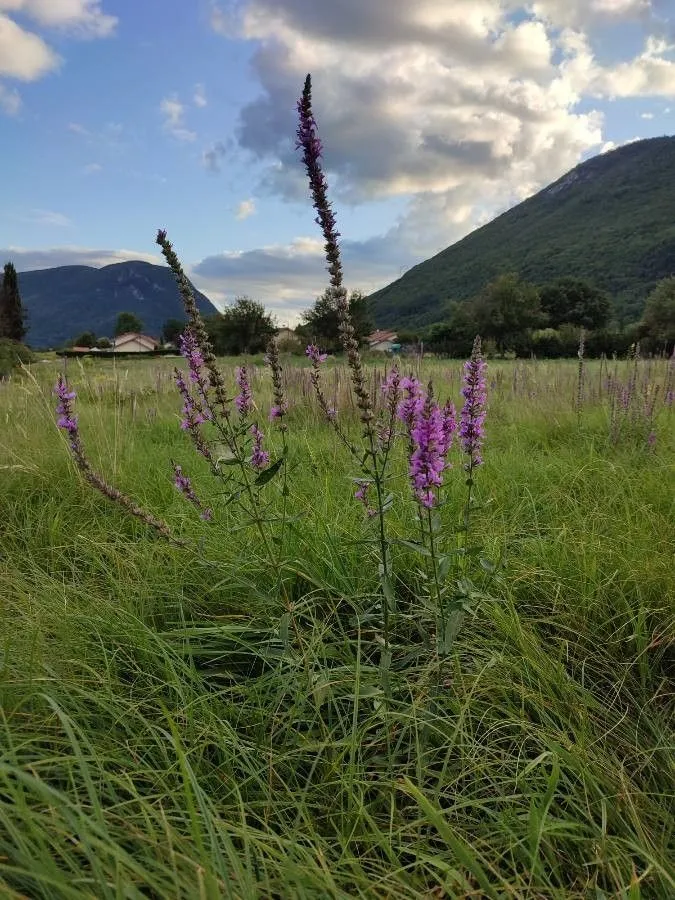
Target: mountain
(611, 221)
(68, 300)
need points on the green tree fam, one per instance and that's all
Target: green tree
(320, 322)
(573, 301)
(658, 320)
(172, 330)
(12, 315)
(86, 339)
(128, 322)
(244, 327)
(104, 343)
(455, 336)
(507, 310)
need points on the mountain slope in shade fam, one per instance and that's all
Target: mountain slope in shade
(611, 221)
(65, 301)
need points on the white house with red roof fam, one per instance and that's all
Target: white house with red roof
(132, 342)
(383, 341)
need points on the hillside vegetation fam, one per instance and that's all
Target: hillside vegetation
(68, 300)
(610, 221)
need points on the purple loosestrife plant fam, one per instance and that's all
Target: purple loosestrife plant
(259, 457)
(244, 399)
(430, 429)
(373, 460)
(67, 420)
(209, 404)
(431, 443)
(473, 410)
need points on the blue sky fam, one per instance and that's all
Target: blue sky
(121, 116)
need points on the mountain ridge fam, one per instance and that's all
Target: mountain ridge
(608, 220)
(64, 301)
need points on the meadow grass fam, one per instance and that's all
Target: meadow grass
(170, 729)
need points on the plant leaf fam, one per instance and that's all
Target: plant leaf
(269, 473)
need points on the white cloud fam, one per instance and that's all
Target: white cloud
(199, 97)
(92, 168)
(287, 278)
(84, 17)
(646, 115)
(174, 111)
(651, 74)
(23, 55)
(245, 209)
(459, 107)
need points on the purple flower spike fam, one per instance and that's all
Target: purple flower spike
(244, 400)
(190, 350)
(278, 412)
(412, 404)
(184, 485)
(259, 457)
(449, 426)
(427, 460)
(315, 355)
(473, 411)
(64, 411)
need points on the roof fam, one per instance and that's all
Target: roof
(134, 336)
(378, 337)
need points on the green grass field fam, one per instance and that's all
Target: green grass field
(170, 728)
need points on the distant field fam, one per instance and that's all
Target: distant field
(169, 728)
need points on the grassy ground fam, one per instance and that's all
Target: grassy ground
(160, 738)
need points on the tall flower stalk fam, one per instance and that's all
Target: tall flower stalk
(67, 420)
(243, 439)
(374, 462)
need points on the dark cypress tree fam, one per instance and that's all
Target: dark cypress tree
(12, 323)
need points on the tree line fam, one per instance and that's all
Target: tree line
(512, 315)
(518, 317)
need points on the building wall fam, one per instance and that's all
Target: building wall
(134, 346)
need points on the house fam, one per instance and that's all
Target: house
(134, 343)
(383, 341)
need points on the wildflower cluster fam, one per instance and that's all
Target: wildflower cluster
(214, 416)
(473, 410)
(432, 431)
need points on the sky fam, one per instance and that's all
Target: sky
(119, 117)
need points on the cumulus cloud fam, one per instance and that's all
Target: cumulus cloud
(287, 278)
(173, 112)
(23, 55)
(85, 18)
(459, 107)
